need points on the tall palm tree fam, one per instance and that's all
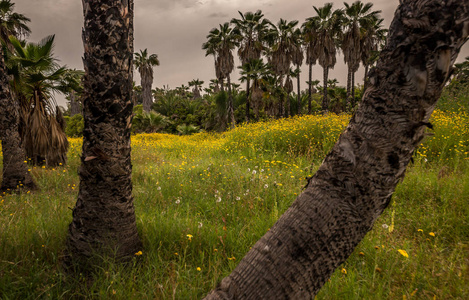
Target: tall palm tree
(283, 47)
(355, 18)
(221, 42)
(253, 27)
(36, 76)
(328, 22)
(104, 216)
(15, 171)
(355, 183)
(196, 85)
(297, 59)
(253, 71)
(144, 65)
(310, 35)
(372, 39)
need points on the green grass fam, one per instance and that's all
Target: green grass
(202, 201)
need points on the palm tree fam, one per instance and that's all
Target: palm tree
(253, 71)
(15, 171)
(144, 65)
(220, 44)
(297, 60)
(356, 17)
(197, 86)
(104, 216)
(36, 76)
(253, 27)
(355, 183)
(310, 35)
(283, 47)
(328, 28)
(372, 39)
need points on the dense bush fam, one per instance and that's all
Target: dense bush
(74, 126)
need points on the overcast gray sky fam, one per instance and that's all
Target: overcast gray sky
(175, 31)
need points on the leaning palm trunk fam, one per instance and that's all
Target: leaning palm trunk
(15, 173)
(104, 217)
(355, 183)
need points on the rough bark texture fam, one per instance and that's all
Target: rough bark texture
(248, 106)
(75, 108)
(310, 88)
(325, 102)
(104, 217)
(357, 179)
(230, 104)
(147, 80)
(15, 173)
(298, 95)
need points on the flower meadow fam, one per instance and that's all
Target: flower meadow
(203, 200)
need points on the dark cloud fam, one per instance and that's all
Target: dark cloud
(176, 29)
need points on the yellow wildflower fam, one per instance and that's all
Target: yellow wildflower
(344, 271)
(139, 253)
(403, 253)
(432, 233)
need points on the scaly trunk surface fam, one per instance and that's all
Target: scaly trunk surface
(230, 104)
(248, 102)
(104, 217)
(146, 92)
(349, 82)
(74, 105)
(365, 78)
(15, 173)
(310, 88)
(299, 92)
(357, 179)
(352, 95)
(325, 102)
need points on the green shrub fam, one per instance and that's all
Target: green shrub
(75, 125)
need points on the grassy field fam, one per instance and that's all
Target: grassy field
(203, 200)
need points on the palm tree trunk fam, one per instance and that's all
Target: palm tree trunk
(355, 183)
(310, 86)
(74, 105)
(15, 173)
(146, 91)
(365, 78)
(230, 104)
(104, 217)
(248, 106)
(349, 81)
(325, 103)
(352, 95)
(299, 92)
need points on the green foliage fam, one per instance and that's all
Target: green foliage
(148, 122)
(203, 200)
(185, 129)
(74, 126)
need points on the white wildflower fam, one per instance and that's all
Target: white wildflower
(385, 226)
(254, 172)
(238, 198)
(200, 225)
(159, 188)
(218, 199)
(266, 185)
